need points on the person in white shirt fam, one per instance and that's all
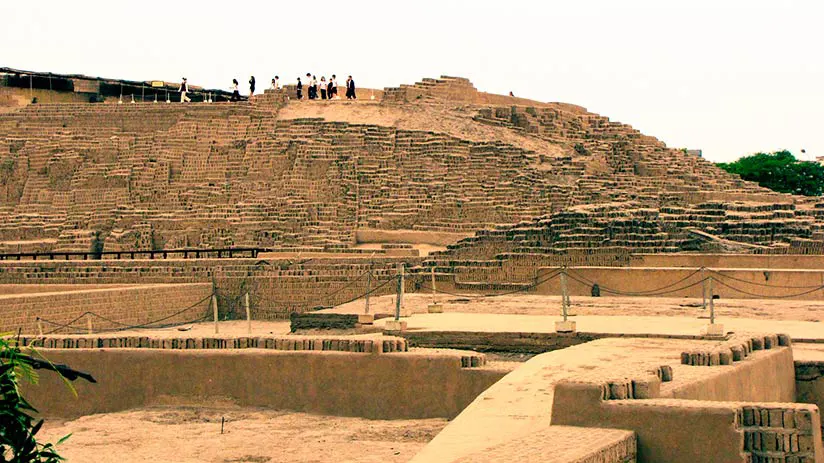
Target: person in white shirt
(276, 83)
(323, 88)
(184, 89)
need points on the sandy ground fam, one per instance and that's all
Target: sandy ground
(455, 121)
(811, 311)
(521, 402)
(192, 434)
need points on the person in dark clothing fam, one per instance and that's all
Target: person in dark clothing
(309, 90)
(329, 89)
(235, 91)
(350, 89)
(251, 86)
(300, 89)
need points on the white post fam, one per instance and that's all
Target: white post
(399, 299)
(89, 324)
(703, 290)
(368, 289)
(565, 325)
(564, 300)
(248, 315)
(39, 326)
(712, 304)
(214, 309)
(433, 284)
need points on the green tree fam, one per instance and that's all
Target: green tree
(18, 426)
(780, 171)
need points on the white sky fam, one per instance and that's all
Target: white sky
(728, 76)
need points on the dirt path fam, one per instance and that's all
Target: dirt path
(192, 434)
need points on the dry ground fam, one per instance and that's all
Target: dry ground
(192, 434)
(811, 311)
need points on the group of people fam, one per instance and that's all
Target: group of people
(328, 90)
(317, 89)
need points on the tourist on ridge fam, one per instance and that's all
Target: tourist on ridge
(235, 92)
(323, 88)
(333, 87)
(329, 89)
(276, 83)
(309, 86)
(350, 89)
(300, 89)
(184, 89)
(251, 86)
(315, 86)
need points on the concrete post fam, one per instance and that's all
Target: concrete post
(248, 313)
(434, 307)
(397, 324)
(368, 289)
(703, 290)
(39, 326)
(214, 311)
(713, 329)
(89, 324)
(564, 326)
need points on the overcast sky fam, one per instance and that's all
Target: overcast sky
(730, 77)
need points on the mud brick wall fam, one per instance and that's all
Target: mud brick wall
(114, 308)
(809, 383)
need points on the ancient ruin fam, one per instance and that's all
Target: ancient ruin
(388, 258)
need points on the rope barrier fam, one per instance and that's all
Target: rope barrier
(760, 284)
(786, 296)
(651, 292)
(553, 275)
(124, 327)
(586, 283)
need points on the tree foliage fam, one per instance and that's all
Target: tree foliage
(18, 427)
(780, 171)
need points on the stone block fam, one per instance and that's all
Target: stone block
(366, 318)
(395, 325)
(434, 308)
(713, 330)
(565, 326)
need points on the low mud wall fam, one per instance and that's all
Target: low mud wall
(686, 282)
(384, 386)
(809, 383)
(113, 308)
(721, 414)
(760, 261)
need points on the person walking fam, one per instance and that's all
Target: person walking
(323, 89)
(251, 86)
(333, 87)
(329, 89)
(309, 86)
(350, 89)
(235, 92)
(299, 87)
(184, 89)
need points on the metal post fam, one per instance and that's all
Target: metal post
(214, 309)
(712, 304)
(564, 300)
(248, 314)
(399, 298)
(142, 93)
(31, 87)
(368, 289)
